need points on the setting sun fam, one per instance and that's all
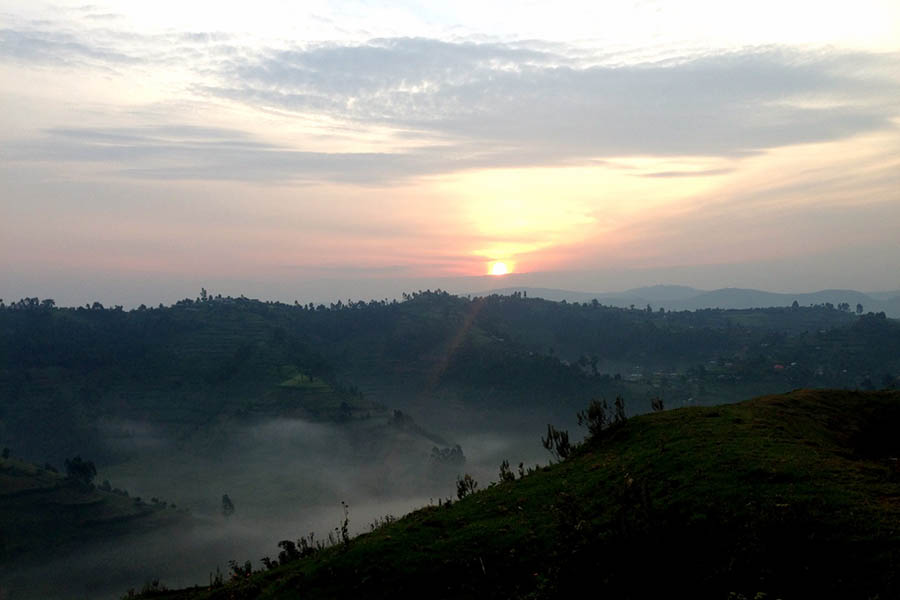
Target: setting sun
(499, 268)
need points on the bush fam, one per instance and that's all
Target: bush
(81, 471)
(557, 443)
(595, 417)
(465, 485)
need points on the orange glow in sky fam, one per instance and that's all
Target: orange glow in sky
(546, 143)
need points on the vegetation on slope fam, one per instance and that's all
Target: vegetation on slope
(64, 369)
(794, 495)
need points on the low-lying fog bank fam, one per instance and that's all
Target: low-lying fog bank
(286, 478)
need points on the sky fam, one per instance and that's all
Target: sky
(314, 150)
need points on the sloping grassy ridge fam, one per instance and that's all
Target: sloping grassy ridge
(795, 495)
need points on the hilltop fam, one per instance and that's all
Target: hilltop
(794, 495)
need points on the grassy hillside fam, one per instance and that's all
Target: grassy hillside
(795, 495)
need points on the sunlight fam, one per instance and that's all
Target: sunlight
(498, 268)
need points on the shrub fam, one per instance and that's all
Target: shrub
(465, 485)
(595, 417)
(557, 443)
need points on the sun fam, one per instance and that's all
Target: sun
(498, 268)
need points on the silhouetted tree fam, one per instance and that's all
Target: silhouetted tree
(465, 485)
(557, 443)
(595, 417)
(81, 471)
(619, 416)
(227, 506)
(288, 552)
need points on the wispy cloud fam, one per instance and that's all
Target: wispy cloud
(701, 173)
(59, 48)
(479, 104)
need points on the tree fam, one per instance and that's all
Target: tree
(859, 308)
(557, 443)
(288, 552)
(465, 485)
(595, 418)
(345, 525)
(227, 506)
(619, 416)
(81, 471)
(6, 453)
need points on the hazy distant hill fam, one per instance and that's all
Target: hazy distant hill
(888, 295)
(675, 297)
(637, 296)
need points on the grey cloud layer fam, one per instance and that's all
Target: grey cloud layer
(479, 104)
(183, 153)
(498, 94)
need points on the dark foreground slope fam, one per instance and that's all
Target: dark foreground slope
(795, 495)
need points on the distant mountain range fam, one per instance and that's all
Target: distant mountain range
(678, 297)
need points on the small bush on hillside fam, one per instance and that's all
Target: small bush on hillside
(465, 485)
(598, 417)
(345, 525)
(595, 417)
(557, 443)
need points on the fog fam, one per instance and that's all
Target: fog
(286, 478)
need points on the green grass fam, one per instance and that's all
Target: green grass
(796, 495)
(302, 381)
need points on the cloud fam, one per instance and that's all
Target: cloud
(728, 104)
(57, 48)
(703, 173)
(465, 105)
(203, 153)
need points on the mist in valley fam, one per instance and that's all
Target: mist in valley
(287, 478)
